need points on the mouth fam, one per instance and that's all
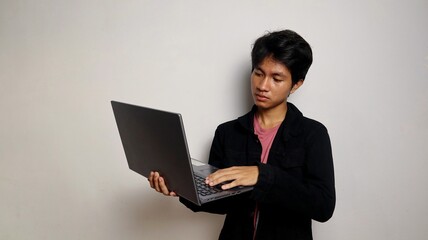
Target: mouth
(261, 97)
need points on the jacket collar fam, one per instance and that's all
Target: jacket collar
(291, 126)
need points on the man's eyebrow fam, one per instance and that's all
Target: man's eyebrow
(280, 74)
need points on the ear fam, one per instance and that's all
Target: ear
(296, 86)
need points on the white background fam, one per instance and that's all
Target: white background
(63, 173)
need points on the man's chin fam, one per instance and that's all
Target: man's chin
(267, 105)
(262, 106)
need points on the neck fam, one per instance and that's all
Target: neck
(269, 118)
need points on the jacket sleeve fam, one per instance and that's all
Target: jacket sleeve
(311, 195)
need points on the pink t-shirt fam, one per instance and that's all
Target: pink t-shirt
(266, 137)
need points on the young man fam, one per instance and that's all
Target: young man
(286, 157)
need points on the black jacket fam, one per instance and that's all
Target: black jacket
(294, 187)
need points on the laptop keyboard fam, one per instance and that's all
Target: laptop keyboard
(203, 188)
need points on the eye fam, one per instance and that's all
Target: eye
(258, 73)
(278, 80)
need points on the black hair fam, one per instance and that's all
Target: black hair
(287, 47)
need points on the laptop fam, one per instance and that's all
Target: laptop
(155, 140)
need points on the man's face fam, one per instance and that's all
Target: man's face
(271, 84)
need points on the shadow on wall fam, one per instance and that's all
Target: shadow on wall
(245, 100)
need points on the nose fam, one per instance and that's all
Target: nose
(263, 84)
